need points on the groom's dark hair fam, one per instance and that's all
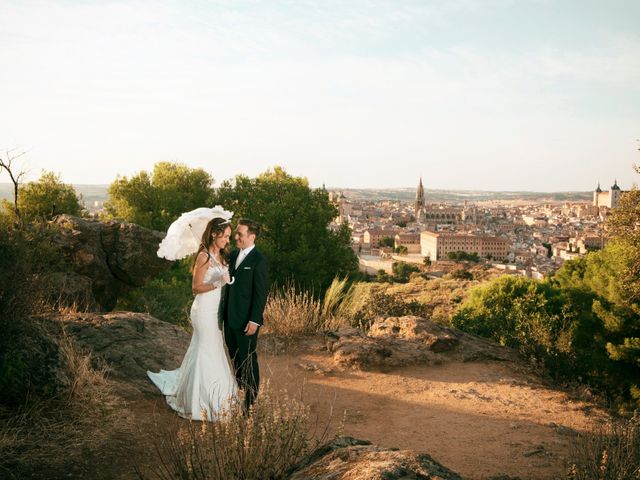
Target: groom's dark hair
(252, 226)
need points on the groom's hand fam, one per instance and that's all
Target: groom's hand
(251, 329)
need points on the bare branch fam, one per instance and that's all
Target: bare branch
(16, 176)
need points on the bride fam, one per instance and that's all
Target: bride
(204, 384)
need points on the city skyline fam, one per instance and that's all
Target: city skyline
(486, 95)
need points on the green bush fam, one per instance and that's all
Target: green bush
(402, 271)
(521, 313)
(167, 297)
(461, 256)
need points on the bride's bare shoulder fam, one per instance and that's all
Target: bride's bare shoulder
(202, 258)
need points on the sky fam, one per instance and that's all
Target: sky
(538, 95)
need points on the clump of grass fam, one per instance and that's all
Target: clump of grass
(291, 311)
(44, 433)
(264, 443)
(609, 452)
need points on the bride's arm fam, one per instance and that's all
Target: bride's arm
(197, 283)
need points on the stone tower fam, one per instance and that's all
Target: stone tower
(420, 201)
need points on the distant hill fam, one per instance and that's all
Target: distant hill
(91, 193)
(459, 196)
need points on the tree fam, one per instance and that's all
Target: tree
(426, 261)
(614, 275)
(7, 163)
(460, 256)
(155, 200)
(295, 219)
(624, 226)
(47, 197)
(386, 242)
(402, 270)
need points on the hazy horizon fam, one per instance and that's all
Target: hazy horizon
(486, 95)
(8, 185)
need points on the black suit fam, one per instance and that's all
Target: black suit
(241, 303)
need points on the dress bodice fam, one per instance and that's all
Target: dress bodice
(215, 271)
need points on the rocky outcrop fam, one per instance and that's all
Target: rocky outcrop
(401, 341)
(104, 259)
(355, 459)
(436, 337)
(129, 344)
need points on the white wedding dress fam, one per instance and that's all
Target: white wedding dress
(204, 383)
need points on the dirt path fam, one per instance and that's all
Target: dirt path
(479, 419)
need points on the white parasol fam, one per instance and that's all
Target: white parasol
(185, 234)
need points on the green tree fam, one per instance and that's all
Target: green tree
(402, 271)
(461, 256)
(295, 219)
(386, 242)
(45, 198)
(155, 200)
(624, 226)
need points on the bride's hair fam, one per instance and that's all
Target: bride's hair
(214, 229)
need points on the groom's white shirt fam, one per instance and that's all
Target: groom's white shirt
(241, 256)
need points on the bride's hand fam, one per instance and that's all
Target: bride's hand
(225, 278)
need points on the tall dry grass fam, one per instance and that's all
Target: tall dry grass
(291, 311)
(263, 444)
(47, 433)
(610, 452)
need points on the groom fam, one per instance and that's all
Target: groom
(242, 305)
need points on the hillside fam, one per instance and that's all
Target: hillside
(474, 407)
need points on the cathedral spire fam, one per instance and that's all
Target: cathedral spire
(420, 201)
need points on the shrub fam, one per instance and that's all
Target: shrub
(364, 302)
(167, 297)
(52, 397)
(518, 312)
(402, 271)
(609, 452)
(461, 256)
(266, 443)
(461, 274)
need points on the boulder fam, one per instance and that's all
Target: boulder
(355, 459)
(129, 344)
(437, 337)
(111, 256)
(395, 342)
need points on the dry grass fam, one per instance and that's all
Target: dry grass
(265, 443)
(441, 297)
(291, 311)
(610, 452)
(48, 433)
